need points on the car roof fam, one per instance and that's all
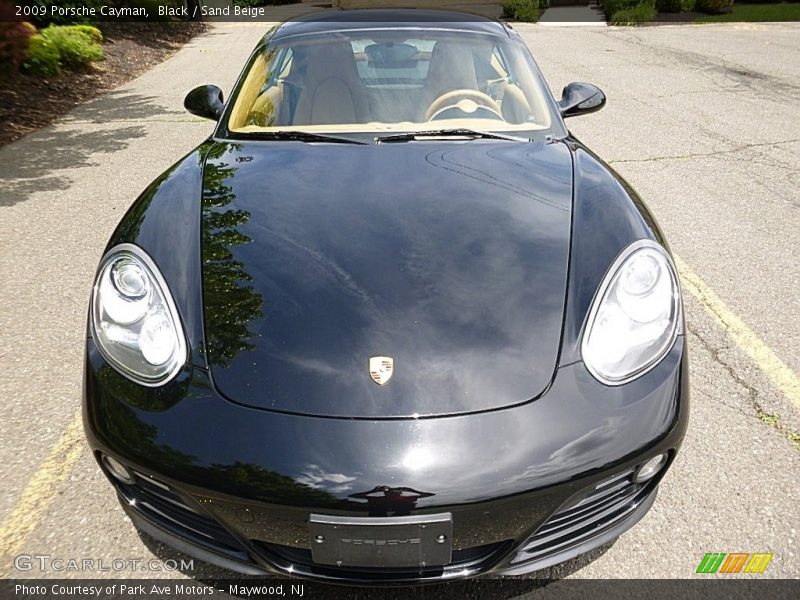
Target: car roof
(400, 18)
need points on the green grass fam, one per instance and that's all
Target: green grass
(756, 12)
(775, 422)
(769, 419)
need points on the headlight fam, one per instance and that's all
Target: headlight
(134, 320)
(635, 316)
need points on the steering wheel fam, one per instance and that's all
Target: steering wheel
(451, 100)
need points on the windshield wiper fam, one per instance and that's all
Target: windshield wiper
(301, 136)
(446, 134)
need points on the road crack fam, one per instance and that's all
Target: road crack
(769, 419)
(741, 148)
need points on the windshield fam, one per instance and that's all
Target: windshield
(389, 80)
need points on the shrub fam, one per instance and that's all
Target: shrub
(43, 57)
(641, 13)
(90, 30)
(524, 10)
(14, 40)
(75, 46)
(713, 7)
(59, 46)
(669, 6)
(614, 6)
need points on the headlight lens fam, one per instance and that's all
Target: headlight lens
(134, 320)
(635, 316)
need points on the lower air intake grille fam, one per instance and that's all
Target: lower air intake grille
(586, 516)
(155, 501)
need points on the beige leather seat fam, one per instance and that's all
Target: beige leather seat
(515, 106)
(331, 91)
(451, 68)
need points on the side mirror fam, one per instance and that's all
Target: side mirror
(580, 99)
(205, 101)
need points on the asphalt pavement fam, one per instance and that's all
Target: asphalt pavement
(701, 120)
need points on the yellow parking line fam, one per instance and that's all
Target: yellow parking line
(40, 492)
(773, 367)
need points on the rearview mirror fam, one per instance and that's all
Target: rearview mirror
(391, 55)
(580, 99)
(205, 101)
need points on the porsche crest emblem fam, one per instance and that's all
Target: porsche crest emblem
(381, 368)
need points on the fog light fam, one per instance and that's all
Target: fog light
(649, 469)
(118, 470)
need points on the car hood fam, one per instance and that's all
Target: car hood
(449, 257)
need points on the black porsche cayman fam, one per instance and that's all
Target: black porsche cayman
(391, 322)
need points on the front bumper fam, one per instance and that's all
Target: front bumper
(528, 487)
(566, 535)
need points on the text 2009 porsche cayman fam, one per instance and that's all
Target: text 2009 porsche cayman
(391, 322)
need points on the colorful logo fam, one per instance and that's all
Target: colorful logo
(737, 562)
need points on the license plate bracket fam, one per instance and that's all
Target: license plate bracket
(381, 542)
